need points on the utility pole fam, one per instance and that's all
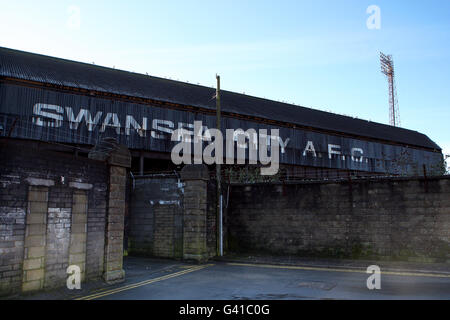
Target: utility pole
(219, 226)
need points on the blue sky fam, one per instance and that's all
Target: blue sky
(317, 54)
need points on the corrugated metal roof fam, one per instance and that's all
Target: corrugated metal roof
(44, 69)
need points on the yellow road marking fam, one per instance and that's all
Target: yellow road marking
(412, 274)
(188, 267)
(142, 283)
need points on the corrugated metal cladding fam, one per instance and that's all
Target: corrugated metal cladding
(50, 115)
(44, 69)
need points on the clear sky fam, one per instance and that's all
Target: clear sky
(318, 54)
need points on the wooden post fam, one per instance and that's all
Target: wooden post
(218, 176)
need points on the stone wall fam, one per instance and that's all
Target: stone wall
(407, 219)
(174, 215)
(211, 213)
(195, 203)
(164, 230)
(156, 216)
(53, 207)
(59, 225)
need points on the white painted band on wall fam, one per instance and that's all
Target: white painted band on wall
(169, 202)
(40, 182)
(81, 186)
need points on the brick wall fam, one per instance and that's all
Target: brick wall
(59, 215)
(173, 218)
(395, 218)
(211, 218)
(13, 205)
(156, 217)
(97, 207)
(164, 230)
(36, 221)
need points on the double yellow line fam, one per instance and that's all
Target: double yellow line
(394, 273)
(142, 283)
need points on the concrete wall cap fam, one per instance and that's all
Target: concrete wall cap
(195, 172)
(109, 150)
(40, 182)
(80, 185)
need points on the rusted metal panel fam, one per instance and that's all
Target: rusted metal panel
(49, 115)
(91, 78)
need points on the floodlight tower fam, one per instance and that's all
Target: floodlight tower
(387, 68)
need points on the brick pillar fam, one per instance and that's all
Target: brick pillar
(113, 265)
(119, 159)
(195, 208)
(163, 243)
(35, 235)
(78, 236)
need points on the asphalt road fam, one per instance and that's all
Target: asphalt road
(221, 280)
